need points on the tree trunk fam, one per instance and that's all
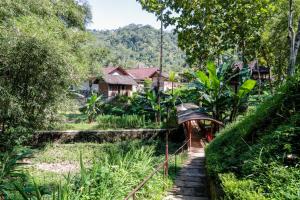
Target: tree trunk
(297, 41)
(160, 67)
(294, 41)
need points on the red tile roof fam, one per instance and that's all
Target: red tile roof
(142, 73)
(109, 70)
(129, 75)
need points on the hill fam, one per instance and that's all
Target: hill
(258, 157)
(135, 45)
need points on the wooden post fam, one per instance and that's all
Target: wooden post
(190, 134)
(167, 154)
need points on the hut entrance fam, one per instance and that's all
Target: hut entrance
(199, 127)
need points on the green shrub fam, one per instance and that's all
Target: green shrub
(254, 150)
(239, 189)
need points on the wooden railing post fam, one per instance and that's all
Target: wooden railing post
(167, 154)
(163, 165)
(190, 134)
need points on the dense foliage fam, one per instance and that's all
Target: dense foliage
(41, 54)
(135, 45)
(257, 157)
(213, 29)
(105, 171)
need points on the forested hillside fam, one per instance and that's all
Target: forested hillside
(134, 45)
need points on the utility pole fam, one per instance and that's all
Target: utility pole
(160, 66)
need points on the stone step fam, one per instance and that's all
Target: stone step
(194, 191)
(201, 180)
(181, 197)
(187, 173)
(194, 165)
(188, 183)
(192, 170)
(195, 155)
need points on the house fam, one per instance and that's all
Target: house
(140, 75)
(114, 81)
(119, 81)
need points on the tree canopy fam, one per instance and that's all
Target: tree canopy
(135, 45)
(209, 29)
(41, 54)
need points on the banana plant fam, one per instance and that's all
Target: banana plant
(172, 78)
(213, 94)
(216, 93)
(242, 92)
(152, 99)
(92, 107)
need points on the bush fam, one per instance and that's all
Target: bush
(239, 189)
(251, 156)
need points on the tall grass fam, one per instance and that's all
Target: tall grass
(116, 170)
(124, 121)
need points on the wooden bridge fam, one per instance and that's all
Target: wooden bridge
(191, 183)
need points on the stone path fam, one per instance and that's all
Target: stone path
(191, 183)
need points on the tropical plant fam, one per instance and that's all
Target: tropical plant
(172, 78)
(215, 92)
(92, 107)
(11, 176)
(152, 100)
(244, 89)
(147, 85)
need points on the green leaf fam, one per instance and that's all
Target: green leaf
(202, 78)
(246, 87)
(21, 191)
(213, 78)
(172, 76)
(211, 68)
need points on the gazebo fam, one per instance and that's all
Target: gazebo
(193, 120)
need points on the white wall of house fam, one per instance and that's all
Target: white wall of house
(86, 87)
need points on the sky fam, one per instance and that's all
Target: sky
(112, 14)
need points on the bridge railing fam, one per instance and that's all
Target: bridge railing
(164, 165)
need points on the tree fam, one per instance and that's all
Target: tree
(294, 38)
(137, 45)
(41, 55)
(207, 28)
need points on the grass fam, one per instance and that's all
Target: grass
(79, 122)
(108, 171)
(249, 158)
(124, 122)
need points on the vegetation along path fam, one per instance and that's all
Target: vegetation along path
(191, 181)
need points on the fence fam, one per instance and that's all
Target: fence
(164, 165)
